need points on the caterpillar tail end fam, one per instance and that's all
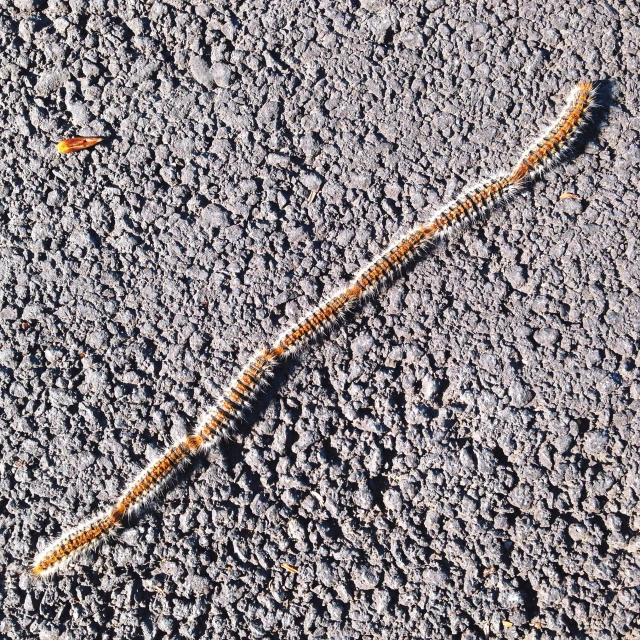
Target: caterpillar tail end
(552, 146)
(71, 545)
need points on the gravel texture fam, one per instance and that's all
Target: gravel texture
(459, 459)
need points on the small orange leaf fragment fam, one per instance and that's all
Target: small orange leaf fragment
(289, 567)
(567, 194)
(507, 624)
(76, 144)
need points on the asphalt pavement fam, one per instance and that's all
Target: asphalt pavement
(459, 458)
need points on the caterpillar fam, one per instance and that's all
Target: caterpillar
(241, 392)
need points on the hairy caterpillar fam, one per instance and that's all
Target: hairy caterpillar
(240, 393)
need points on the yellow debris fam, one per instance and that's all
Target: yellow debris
(76, 144)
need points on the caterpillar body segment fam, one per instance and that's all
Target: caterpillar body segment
(237, 399)
(473, 203)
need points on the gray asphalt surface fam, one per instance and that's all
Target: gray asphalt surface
(459, 459)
